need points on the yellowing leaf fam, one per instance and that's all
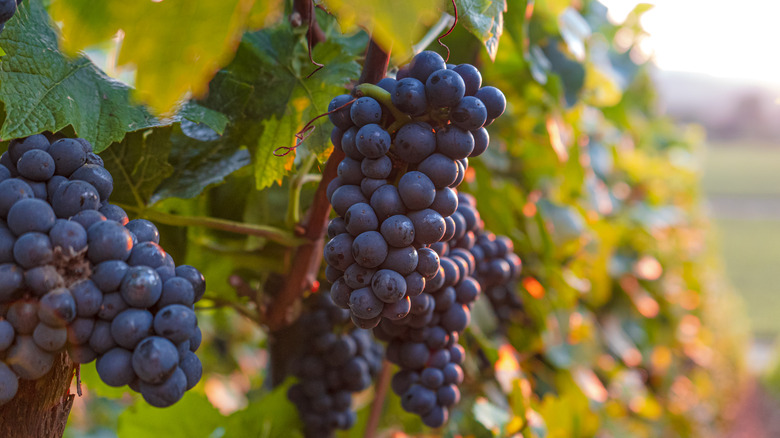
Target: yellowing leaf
(176, 46)
(396, 24)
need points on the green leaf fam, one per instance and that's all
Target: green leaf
(202, 115)
(138, 165)
(484, 19)
(175, 45)
(191, 417)
(271, 416)
(44, 90)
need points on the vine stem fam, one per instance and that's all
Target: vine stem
(277, 235)
(379, 400)
(446, 21)
(308, 257)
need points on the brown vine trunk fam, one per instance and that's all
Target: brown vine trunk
(41, 407)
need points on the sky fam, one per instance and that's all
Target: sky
(729, 39)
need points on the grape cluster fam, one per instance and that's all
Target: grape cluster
(425, 344)
(7, 11)
(334, 363)
(77, 275)
(498, 269)
(394, 193)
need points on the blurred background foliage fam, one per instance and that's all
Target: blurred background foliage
(627, 328)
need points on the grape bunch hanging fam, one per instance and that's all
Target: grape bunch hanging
(77, 275)
(399, 256)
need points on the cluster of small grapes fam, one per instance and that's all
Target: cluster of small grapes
(7, 11)
(498, 269)
(335, 362)
(394, 193)
(76, 274)
(425, 344)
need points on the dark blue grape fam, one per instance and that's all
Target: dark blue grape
(38, 188)
(50, 339)
(471, 77)
(439, 359)
(4, 173)
(441, 169)
(11, 281)
(461, 174)
(422, 304)
(429, 226)
(389, 286)
(436, 282)
(387, 202)
(369, 249)
(33, 249)
(387, 84)
(338, 251)
(81, 354)
(415, 284)
(365, 110)
(42, 279)
(436, 417)
(414, 355)
(19, 146)
(68, 155)
(469, 114)
(95, 159)
(349, 171)
(147, 254)
(336, 226)
(141, 287)
(68, 235)
(193, 369)
(444, 298)
(114, 213)
(372, 141)
(175, 322)
(176, 290)
(27, 360)
(401, 260)
(444, 88)
(7, 240)
(342, 350)
(409, 97)
(87, 296)
(195, 340)
(346, 196)
(448, 395)
(360, 218)
(403, 380)
(460, 225)
(424, 64)
(108, 275)
(11, 191)
(364, 304)
(452, 274)
(87, 218)
(398, 310)
(453, 373)
(108, 240)
(349, 145)
(30, 214)
(341, 117)
(339, 293)
(418, 400)
(357, 276)
(335, 137)
(414, 142)
(445, 202)
(52, 185)
(5, 161)
(493, 99)
(74, 196)
(454, 142)
(378, 168)
(481, 142)
(456, 318)
(416, 190)
(166, 393)
(432, 378)
(36, 165)
(115, 367)
(80, 330)
(131, 326)
(398, 231)
(23, 315)
(195, 277)
(112, 305)
(334, 184)
(369, 185)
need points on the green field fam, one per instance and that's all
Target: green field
(750, 247)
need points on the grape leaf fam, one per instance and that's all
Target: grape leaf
(176, 46)
(44, 90)
(395, 25)
(192, 416)
(484, 19)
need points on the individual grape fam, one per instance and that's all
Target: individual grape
(6, 335)
(445, 202)
(453, 373)
(195, 277)
(461, 174)
(428, 226)
(19, 146)
(398, 310)
(339, 293)
(349, 171)
(166, 393)
(30, 214)
(11, 281)
(38, 188)
(87, 296)
(175, 322)
(145, 230)
(338, 251)
(108, 275)
(424, 64)
(401, 260)
(378, 168)
(193, 369)
(155, 359)
(7, 240)
(108, 240)
(372, 141)
(141, 287)
(348, 144)
(409, 97)
(432, 378)
(33, 249)
(360, 218)
(437, 416)
(9, 383)
(11, 191)
(87, 218)
(471, 77)
(414, 142)
(101, 340)
(365, 110)
(68, 156)
(115, 367)
(340, 118)
(345, 197)
(147, 254)
(493, 99)
(114, 213)
(68, 235)
(454, 142)
(369, 249)
(441, 170)
(5, 161)
(4, 173)
(52, 185)
(416, 190)
(27, 360)
(23, 316)
(444, 88)
(386, 202)
(403, 380)
(36, 165)
(74, 196)
(81, 354)
(469, 114)
(398, 231)
(57, 308)
(331, 274)
(80, 330)
(336, 226)
(369, 185)
(195, 340)
(176, 290)
(93, 158)
(357, 276)
(364, 304)
(389, 286)
(415, 284)
(51, 339)
(481, 142)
